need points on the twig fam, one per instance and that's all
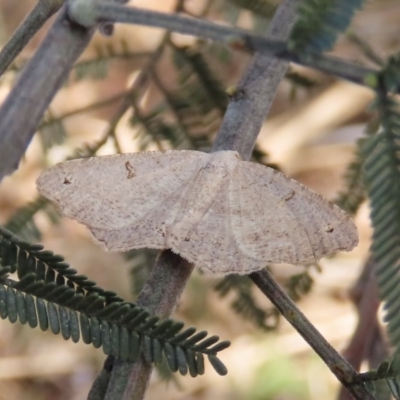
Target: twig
(101, 11)
(42, 11)
(160, 296)
(342, 369)
(365, 47)
(41, 78)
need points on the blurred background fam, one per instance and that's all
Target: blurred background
(310, 134)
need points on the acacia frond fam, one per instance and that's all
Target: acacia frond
(51, 295)
(354, 194)
(382, 177)
(300, 80)
(351, 198)
(208, 90)
(385, 379)
(320, 22)
(389, 77)
(262, 8)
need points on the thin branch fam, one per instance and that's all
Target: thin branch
(41, 78)
(160, 296)
(340, 367)
(367, 50)
(42, 11)
(100, 11)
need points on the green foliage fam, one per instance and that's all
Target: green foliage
(382, 177)
(51, 295)
(262, 8)
(351, 198)
(191, 62)
(389, 78)
(354, 194)
(320, 22)
(385, 376)
(298, 79)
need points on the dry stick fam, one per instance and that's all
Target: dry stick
(45, 73)
(41, 78)
(345, 373)
(160, 296)
(42, 11)
(243, 40)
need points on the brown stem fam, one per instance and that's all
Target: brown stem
(239, 38)
(42, 11)
(339, 366)
(160, 296)
(41, 78)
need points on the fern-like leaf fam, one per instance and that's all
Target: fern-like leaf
(262, 8)
(382, 176)
(51, 295)
(319, 23)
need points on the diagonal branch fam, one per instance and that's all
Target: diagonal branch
(95, 11)
(340, 367)
(41, 78)
(43, 10)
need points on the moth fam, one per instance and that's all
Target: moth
(219, 212)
